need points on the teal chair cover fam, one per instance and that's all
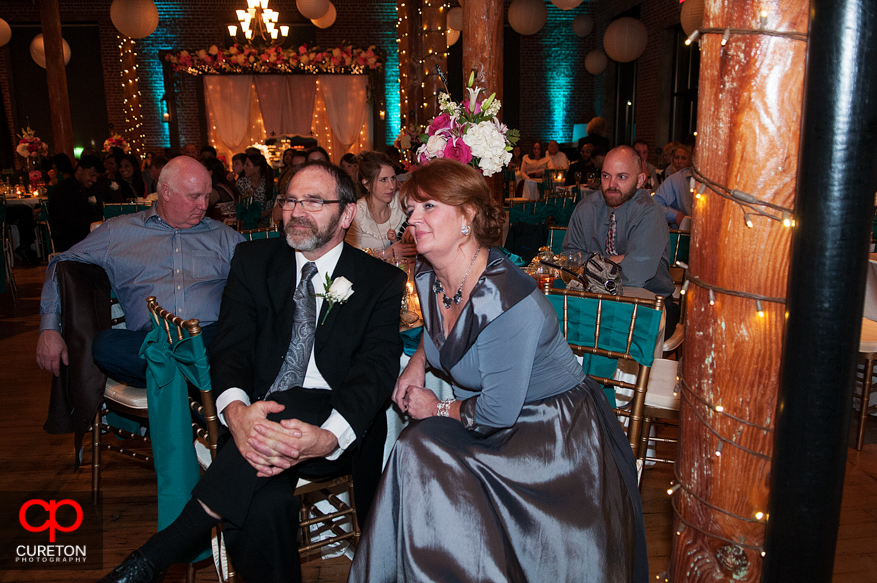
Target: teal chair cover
(411, 339)
(114, 209)
(256, 234)
(680, 242)
(249, 213)
(614, 327)
(555, 239)
(516, 259)
(170, 422)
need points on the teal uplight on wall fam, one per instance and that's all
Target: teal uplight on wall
(561, 56)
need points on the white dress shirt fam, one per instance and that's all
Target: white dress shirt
(336, 423)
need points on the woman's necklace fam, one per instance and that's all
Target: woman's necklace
(437, 287)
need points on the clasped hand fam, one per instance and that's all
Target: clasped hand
(272, 447)
(410, 395)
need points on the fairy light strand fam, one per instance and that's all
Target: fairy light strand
(792, 35)
(690, 525)
(731, 292)
(720, 409)
(722, 439)
(691, 493)
(743, 199)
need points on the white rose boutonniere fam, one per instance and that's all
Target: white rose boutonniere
(114, 185)
(337, 291)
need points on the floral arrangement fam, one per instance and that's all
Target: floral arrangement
(239, 58)
(31, 146)
(337, 291)
(36, 179)
(469, 132)
(115, 141)
(408, 138)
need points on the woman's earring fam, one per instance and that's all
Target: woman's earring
(465, 230)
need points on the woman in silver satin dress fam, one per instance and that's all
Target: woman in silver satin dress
(526, 475)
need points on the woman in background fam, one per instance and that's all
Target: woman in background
(237, 167)
(257, 183)
(380, 220)
(533, 167)
(223, 202)
(131, 178)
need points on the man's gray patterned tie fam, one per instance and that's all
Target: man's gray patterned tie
(304, 324)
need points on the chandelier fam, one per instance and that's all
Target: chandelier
(258, 24)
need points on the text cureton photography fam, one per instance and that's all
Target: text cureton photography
(50, 530)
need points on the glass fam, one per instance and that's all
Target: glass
(573, 261)
(311, 205)
(578, 180)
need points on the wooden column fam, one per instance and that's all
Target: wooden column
(56, 78)
(482, 52)
(410, 57)
(435, 47)
(133, 131)
(748, 131)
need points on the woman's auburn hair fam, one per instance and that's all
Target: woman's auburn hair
(456, 184)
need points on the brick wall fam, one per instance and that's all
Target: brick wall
(555, 89)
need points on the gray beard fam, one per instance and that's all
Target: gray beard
(312, 241)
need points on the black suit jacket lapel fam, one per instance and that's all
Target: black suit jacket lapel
(345, 267)
(281, 289)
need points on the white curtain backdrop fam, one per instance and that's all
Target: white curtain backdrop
(245, 109)
(302, 90)
(272, 90)
(254, 129)
(228, 97)
(345, 98)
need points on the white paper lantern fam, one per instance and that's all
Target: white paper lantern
(453, 36)
(328, 19)
(527, 16)
(455, 18)
(691, 16)
(313, 9)
(583, 24)
(596, 62)
(5, 32)
(625, 39)
(38, 51)
(566, 4)
(134, 18)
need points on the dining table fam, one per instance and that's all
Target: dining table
(31, 201)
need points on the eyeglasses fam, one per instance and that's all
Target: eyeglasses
(311, 205)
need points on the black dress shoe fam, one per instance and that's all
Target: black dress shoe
(135, 569)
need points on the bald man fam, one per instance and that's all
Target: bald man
(641, 240)
(171, 251)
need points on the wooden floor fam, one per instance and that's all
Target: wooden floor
(34, 460)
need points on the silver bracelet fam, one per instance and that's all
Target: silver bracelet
(443, 408)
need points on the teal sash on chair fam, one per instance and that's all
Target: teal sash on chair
(615, 320)
(170, 422)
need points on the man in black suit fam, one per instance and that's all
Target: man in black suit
(291, 410)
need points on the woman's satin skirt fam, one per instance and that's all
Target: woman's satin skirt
(552, 499)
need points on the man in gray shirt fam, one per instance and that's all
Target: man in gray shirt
(624, 223)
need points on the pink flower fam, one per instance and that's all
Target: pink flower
(440, 122)
(302, 49)
(456, 149)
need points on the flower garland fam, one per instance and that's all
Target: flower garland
(115, 141)
(30, 146)
(238, 58)
(469, 133)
